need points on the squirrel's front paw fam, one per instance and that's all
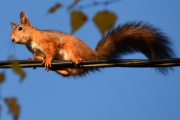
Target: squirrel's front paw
(76, 60)
(47, 64)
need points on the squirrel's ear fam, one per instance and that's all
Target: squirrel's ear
(24, 18)
(13, 25)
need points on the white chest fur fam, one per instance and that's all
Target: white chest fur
(63, 54)
(36, 47)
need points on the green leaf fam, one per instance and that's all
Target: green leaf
(104, 20)
(54, 8)
(77, 20)
(13, 107)
(17, 69)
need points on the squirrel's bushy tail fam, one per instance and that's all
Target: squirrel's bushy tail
(135, 37)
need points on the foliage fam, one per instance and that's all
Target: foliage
(54, 8)
(17, 69)
(11, 103)
(2, 77)
(77, 20)
(104, 20)
(14, 108)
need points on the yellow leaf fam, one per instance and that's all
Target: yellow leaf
(77, 20)
(14, 108)
(104, 20)
(73, 4)
(2, 77)
(54, 8)
(17, 69)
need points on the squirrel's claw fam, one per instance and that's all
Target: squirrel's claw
(76, 60)
(47, 64)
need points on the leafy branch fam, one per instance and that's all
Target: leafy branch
(95, 3)
(104, 20)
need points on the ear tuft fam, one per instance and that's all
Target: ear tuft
(22, 14)
(13, 25)
(24, 18)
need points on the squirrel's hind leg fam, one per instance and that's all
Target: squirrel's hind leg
(64, 73)
(37, 58)
(69, 71)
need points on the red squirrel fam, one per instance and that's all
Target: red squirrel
(48, 45)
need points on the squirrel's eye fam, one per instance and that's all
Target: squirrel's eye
(20, 28)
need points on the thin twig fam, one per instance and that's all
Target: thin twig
(97, 3)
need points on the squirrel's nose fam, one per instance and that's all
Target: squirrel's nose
(12, 39)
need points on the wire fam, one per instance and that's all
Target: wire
(96, 63)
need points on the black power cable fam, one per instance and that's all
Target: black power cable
(96, 63)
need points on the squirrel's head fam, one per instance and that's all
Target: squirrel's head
(22, 33)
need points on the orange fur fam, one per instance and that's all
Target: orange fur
(48, 45)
